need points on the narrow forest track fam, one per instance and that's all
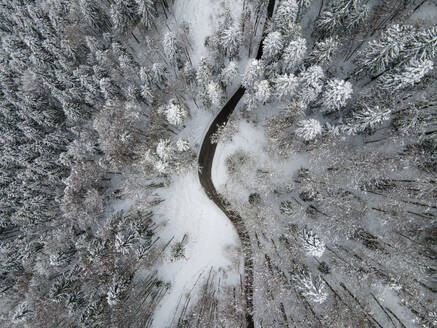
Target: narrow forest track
(206, 157)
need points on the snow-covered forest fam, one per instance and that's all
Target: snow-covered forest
(312, 203)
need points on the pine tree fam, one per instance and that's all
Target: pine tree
(214, 93)
(158, 74)
(117, 289)
(229, 73)
(311, 287)
(340, 15)
(254, 72)
(94, 16)
(164, 149)
(285, 17)
(182, 144)
(146, 9)
(272, 45)
(147, 94)
(310, 84)
(423, 45)
(386, 51)
(230, 40)
(407, 75)
(336, 94)
(123, 15)
(313, 245)
(262, 91)
(171, 47)
(285, 86)
(308, 129)
(21, 313)
(294, 55)
(175, 113)
(323, 51)
(204, 74)
(109, 89)
(366, 118)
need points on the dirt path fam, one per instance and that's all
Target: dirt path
(206, 157)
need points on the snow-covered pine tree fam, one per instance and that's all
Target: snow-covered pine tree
(182, 144)
(165, 150)
(94, 16)
(189, 73)
(308, 129)
(231, 39)
(285, 17)
(336, 94)
(145, 74)
(311, 287)
(214, 93)
(310, 84)
(272, 45)
(175, 113)
(119, 285)
(146, 9)
(386, 51)
(229, 73)
(341, 15)
(22, 313)
(254, 72)
(294, 55)
(109, 89)
(158, 74)
(203, 74)
(123, 15)
(323, 51)
(366, 118)
(285, 86)
(313, 245)
(407, 75)
(225, 132)
(423, 44)
(147, 94)
(172, 48)
(262, 91)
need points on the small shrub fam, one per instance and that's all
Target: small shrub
(254, 199)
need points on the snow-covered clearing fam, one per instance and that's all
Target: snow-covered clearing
(212, 242)
(251, 139)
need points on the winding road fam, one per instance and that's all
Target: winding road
(206, 157)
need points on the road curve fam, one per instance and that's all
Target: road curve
(206, 157)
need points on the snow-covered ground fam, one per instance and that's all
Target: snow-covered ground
(251, 139)
(212, 242)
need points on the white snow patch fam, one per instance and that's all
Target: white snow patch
(196, 126)
(212, 242)
(252, 139)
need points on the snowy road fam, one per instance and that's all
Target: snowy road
(206, 157)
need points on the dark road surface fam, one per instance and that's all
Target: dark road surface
(206, 157)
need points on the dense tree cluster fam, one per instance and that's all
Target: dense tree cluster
(355, 223)
(94, 98)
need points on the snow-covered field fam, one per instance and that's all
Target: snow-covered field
(251, 139)
(212, 242)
